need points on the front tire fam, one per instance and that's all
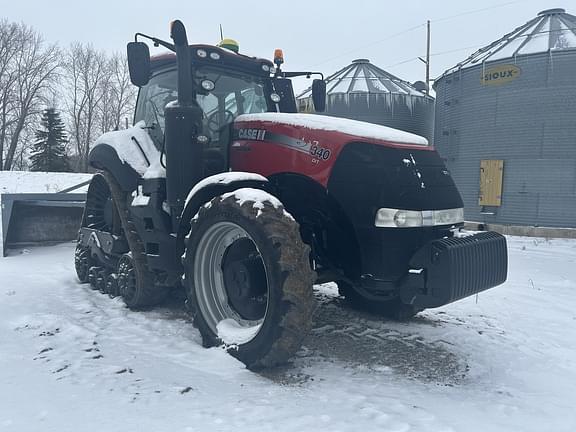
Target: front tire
(248, 278)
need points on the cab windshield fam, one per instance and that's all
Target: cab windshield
(230, 96)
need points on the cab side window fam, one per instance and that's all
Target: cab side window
(152, 99)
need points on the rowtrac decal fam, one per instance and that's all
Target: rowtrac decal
(313, 148)
(501, 74)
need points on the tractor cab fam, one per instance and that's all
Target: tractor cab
(224, 84)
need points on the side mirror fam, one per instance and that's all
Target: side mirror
(319, 95)
(138, 63)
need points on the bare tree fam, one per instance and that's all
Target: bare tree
(96, 89)
(86, 74)
(8, 50)
(28, 68)
(119, 95)
(20, 161)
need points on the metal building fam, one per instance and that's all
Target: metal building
(506, 125)
(362, 91)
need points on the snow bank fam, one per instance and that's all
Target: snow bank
(336, 124)
(126, 142)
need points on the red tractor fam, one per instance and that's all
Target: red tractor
(221, 188)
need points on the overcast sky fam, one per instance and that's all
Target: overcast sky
(323, 36)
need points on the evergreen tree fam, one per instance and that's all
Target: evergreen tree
(49, 153)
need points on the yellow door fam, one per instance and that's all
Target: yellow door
(491, 172)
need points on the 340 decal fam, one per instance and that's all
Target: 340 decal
(320, 152)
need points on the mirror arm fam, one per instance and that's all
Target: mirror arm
(297, 74)
(155, 41)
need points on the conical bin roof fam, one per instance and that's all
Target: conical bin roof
(361, 76)
(550, 30)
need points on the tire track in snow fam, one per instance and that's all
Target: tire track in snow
(360, 339)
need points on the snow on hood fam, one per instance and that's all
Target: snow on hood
(123, 142)
(338, 124)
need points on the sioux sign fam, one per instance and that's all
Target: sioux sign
(500, 74)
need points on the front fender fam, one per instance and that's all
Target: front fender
(211, 187)
(105, 157)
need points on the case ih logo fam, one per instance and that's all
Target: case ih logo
(252, 134)
(500, 74)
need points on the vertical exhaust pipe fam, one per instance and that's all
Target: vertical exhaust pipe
(183, 123)
(185, 89)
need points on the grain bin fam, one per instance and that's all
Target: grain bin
(363, 91)
(506, 125)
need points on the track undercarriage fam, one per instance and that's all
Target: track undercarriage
(110, 254)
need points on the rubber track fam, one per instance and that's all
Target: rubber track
(148, 293)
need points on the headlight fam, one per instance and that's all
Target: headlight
(393, 218)
(398, 218)
(448, 217)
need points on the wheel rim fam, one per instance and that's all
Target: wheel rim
(231, 284)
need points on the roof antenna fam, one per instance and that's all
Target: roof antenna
(221, 34)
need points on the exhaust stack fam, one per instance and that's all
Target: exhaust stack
(185, 89)
(183, 124)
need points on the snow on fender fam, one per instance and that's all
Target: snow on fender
(135, 148)
(223, 179)
(258, 197)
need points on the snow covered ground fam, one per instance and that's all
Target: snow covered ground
(72, 359)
